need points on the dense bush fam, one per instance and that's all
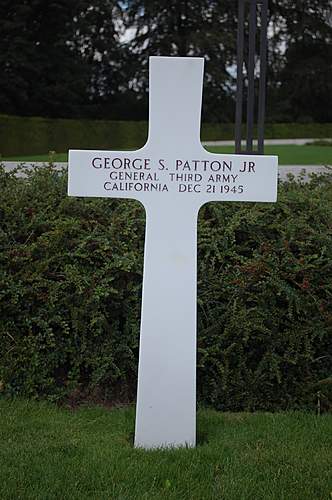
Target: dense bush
(33, 135)
(70, 288)
(30, 135)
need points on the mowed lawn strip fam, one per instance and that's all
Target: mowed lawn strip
(48, 453)
(288, 155)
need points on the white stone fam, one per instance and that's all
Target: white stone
(172, 176)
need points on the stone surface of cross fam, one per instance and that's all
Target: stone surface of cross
(172, 176)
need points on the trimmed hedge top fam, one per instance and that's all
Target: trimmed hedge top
(29, 135)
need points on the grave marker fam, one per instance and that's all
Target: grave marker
(172, 176)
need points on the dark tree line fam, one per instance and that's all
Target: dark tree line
(89, 58)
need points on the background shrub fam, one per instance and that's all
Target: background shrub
(33, 135)
(70, 291)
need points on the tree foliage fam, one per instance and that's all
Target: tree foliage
(48, 55)
(300, 62)
(80, 58)
(185, 28)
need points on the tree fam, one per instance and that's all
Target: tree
(51, 54)
(98, 28)
(300, 62)
(187, 28)
(90, 58)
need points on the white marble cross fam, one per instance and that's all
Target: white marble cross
(172, 176)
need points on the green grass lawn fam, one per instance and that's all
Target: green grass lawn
(291, 154)
(288, 155)
(51, 453)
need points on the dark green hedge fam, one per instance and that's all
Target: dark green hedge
(225, 131)
(25, 135)
(70, 288)
(29, 136)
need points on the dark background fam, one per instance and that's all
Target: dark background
(89, 59)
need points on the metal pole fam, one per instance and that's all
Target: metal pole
(239, 77)
(262, 78)
(251, 75)
(250, 119)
